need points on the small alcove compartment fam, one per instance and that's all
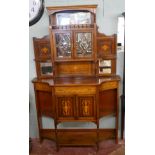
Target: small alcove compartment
(44, 68)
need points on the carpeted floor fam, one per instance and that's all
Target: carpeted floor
(47, 147)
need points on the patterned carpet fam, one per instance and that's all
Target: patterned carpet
(47, 147)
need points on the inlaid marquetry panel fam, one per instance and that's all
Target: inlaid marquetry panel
(75, 90)
(75, 68)
(104, 47)
(108, 85)
(65, 106)
(44, 50)
(42, 47)
(86, 106)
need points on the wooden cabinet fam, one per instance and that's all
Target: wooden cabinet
(76, 108)
(76, 76)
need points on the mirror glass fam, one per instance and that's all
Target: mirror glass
(46, 68)
(105, 70)
(105, 63)
(73, 18)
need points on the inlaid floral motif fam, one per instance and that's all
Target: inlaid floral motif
(85, 107)
(105, 47)
(66, 107)
(44, 50)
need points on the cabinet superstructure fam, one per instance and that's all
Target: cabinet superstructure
(76, 76)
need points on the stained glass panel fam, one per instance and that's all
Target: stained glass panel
(63, 45)
(84, 44)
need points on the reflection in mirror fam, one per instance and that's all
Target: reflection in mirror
(63, 45)
(46, 68)
(73, 18)
(105, 63)
(84, 44)
(105, 70)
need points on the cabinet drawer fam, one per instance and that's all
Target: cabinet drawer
(75, 90)
(42, 87)
(108, 85)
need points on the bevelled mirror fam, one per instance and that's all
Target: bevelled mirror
(46, 68)
(70, 18)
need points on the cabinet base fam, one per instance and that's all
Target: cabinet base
(77, 137)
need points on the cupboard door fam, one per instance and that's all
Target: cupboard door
(83, 44)
(86, 107)
(65, 107)
(45, 103)
(63, 45)
(107, 102)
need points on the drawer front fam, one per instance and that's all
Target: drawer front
(75, 90)
(42, 87)
(109, 85)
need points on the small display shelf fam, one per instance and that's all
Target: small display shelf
(104, 66)
(46, 68)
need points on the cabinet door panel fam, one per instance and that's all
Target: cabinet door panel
(46, 105)
(83, 44)
(86, 107)
(65, 107)
(107, 102)
(63, 45)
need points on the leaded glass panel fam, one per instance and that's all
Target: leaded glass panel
(84, 44)
(63, 45)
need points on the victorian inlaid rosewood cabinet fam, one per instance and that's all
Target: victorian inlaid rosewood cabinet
(76, 76)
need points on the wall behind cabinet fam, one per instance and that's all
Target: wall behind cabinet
(107, 22)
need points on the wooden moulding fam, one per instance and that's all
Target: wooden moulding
(108, 85)
(43, 87)
(78, 137)
(91, 8)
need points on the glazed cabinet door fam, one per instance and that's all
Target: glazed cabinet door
(86, 107)
(65, 107)
(83, 44)
(63, 42)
